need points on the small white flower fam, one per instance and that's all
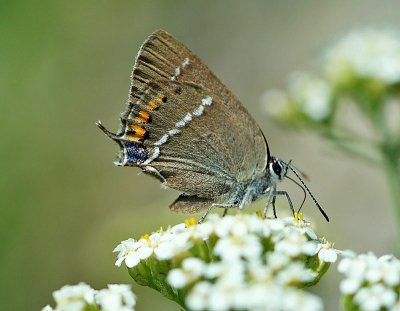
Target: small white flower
(132, 252)
(224, 226)
(277, 261)
(179, 228)
(295, 273)
(296, 244)
(214, 270)
(240, 225)
(312, 93)
(203, 230)
(117, 297)
(259, 226)
(353, 267)
(374, 297)
(192, 269)
(276, 103)
(371, 279)
(77, 295)
(326, 253)
(390, 274)
(173, 246)
(304, 227)
(232, 274)
(260, 296)
(235, 247)
(277, 224)
(82, 297)
(300, 301)
(195, 265)
(260, 273)
(350, 285)
(178, 278)
(368, 53)
(223, 295)
(197, 299)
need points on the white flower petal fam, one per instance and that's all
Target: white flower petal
(327, 255)
(194, 265)
(117, 297)
(132, 260)
(144, 252)
(197, 299)
(177, 278)
(349, 286)
(369, 53)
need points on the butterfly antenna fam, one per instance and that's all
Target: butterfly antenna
(302, 188)
(304, 175)
(309, 192)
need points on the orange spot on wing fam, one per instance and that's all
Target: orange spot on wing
(152, 105)
(144, 114)
(133, 137)
(160, 98)
(139, 131)
(143, 117)
(140, 120)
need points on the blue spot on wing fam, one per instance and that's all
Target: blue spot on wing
(135, 152)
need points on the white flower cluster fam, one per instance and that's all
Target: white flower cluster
(307, 94)
(371, 283)
(239, 262)
(313, 93)
(363, 62)
(367, 53)
(81, 297)
(163, 244)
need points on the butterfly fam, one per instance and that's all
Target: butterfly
(183, 126)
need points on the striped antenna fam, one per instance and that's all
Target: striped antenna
(309, 192)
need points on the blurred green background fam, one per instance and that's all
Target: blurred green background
(66, 64)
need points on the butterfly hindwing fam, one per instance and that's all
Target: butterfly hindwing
(190, 204)
(184, 126)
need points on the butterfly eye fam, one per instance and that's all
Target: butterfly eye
(277, 168)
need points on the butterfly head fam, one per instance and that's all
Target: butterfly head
(277, 169)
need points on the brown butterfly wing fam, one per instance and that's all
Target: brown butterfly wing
(197, 136)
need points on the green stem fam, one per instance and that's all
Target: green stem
(361, 148)
(392, 171)
(321, 270)
(168, 292)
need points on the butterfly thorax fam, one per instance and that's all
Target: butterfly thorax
(259, 186)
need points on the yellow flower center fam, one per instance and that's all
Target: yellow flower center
(146, 237)
(190, 222)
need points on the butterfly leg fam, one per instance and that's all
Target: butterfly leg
(245, 199)
(271, 195)
(288, 198)
(226, 206)
(225, 212)
(273, 206)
